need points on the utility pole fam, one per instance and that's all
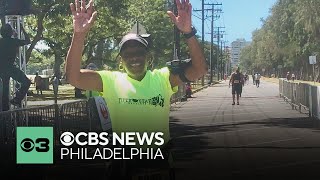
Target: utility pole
(221, 60)
(202, 19)
(203, 34)
(218, 52)
(211, 45)
(202, 38)
(225, 64)
(176, 50)
(202, 80)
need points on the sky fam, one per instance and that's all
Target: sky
(239, 17)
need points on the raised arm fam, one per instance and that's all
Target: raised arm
(183, 22)
(83, 19)
(199, 66)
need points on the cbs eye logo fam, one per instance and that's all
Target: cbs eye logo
(67, 138)
(40, 145)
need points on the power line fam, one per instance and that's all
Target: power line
(197, 16)
(213, 16)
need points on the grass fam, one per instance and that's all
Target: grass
(66, 92)
(272, 80)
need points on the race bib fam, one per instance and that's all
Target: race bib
(236, 81)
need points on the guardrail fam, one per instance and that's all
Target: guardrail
(301, 96)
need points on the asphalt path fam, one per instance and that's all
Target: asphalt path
(261, 137)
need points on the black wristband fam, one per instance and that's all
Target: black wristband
(191, 34)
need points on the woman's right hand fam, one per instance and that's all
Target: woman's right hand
(83, 16)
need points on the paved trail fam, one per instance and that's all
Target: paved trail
(261, 136)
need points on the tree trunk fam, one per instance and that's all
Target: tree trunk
(301, 72)
(99, 54)
(57, 63)
(89, 55)
(41, 15)
(37, 37)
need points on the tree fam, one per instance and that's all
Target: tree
(51, 24)
(288, 37)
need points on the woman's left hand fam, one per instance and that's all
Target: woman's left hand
(183, 19)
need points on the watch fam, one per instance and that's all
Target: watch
(191, 34)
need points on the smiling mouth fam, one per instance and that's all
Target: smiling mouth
(135, 64)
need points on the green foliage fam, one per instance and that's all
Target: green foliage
(288, 37)
(51, 24)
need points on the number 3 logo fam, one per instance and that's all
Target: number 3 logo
(41, 145)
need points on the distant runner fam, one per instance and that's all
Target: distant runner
(236, 83)
(257, 77)
(253, 79)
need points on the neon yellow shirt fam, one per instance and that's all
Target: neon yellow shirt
(138, 106)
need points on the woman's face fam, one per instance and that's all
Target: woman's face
(134, 58)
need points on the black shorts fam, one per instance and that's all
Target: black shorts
(236, 89)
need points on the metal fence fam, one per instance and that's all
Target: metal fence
(9, 120)
(301, 96)
(73, 117)
(314, 101)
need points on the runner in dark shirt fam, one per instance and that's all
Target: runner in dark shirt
(236, 82)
